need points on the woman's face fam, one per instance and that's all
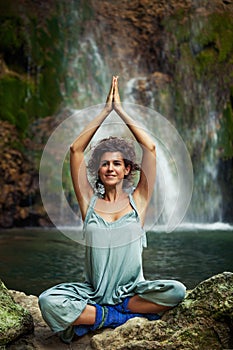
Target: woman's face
(112, 168)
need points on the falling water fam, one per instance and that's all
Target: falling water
(167, 201)
(170, 189)
(207, 198)
(206, 205)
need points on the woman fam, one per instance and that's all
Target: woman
(114, 289)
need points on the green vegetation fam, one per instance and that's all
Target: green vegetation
(218, 34)
(201, 57)
(13, 93)
(226, 133)
(14, 319)
(34, 59)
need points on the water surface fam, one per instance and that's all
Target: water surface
(35, 259)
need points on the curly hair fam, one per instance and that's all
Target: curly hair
(113, 144)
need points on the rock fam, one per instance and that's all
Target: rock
(203, 321)
(20, 200)
(14, 319)
(42, 338)
(19, 196)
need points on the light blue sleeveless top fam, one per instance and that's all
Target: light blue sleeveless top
(113, 264)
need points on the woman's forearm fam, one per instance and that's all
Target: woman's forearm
(139, 133)
(86, 135)
(89, 131)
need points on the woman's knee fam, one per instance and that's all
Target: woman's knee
(179, 292)
(46, 302)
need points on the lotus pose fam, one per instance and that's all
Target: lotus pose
(113, 213)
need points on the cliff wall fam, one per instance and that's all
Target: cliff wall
(172, 56)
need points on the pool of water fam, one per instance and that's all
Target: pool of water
(32, 260)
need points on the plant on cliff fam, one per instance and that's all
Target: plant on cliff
(226, 133)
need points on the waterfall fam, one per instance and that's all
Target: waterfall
(88, 76)
(206, 203)
(175, 60)
(174, 183)
(207, 198)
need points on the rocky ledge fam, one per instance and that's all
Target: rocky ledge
(203, 321)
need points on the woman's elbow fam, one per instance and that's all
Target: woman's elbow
(72, 148)
(153, 149)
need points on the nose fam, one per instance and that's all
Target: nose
(110, 166)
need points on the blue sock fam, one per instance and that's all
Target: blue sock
(114, 318)
(123, 307)
(151, 317)
(111, 316)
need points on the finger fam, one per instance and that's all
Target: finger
(114, 81)
(116, 86)
(112, 85)
(111, 91)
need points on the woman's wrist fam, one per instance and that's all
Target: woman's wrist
(118, 107)
(107, 109)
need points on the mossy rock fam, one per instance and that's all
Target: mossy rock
(203, 321)
(14, 319)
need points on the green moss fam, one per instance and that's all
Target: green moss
(218, 33)
(49, 92)
(13, 317)
(225, 134)
(205, 61)
(13, 92)
(201, 59)
(22, 121)
(39, 94)
(179, 25)
(216, 46)
(204, 44)
(87, 11)
(11, 35)
(37, 53)
(53, 28)
(6, 115)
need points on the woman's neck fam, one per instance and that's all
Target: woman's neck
(114, 194)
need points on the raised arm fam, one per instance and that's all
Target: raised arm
(82, 187)
(143, 192)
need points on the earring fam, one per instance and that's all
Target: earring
(99, 187)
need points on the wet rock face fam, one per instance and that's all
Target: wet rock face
(15, 321)
(202, 321)
(18, 181)
(173, 56)
(20, 201)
